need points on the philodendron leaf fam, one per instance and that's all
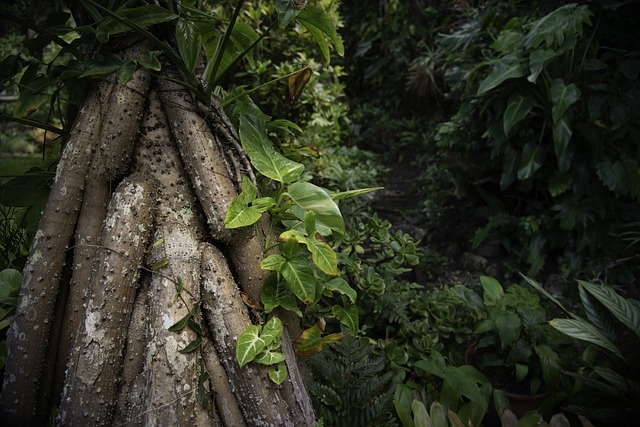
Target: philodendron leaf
(249, 345)
(562, 97)
(269, 358)
(277, 293)
(264, 157)
(518, 107)
(561, 137)
(585, 331)
(273, 262)
(313, 198)
(10, 283)
(532, 159)
(506, 68)
(348, 316)
(272, 332)
(299, 275)
(338, 284)
(319, 24)
(311, 341)
(279, 374)
(240, 214)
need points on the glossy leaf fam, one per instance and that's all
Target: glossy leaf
(313, 198)
(562, 97)
(299, 275)
(319, 24)
(278, 374)
(338, 284)
(348, 316)
(240, 214)
(189, 41)
(550, 363)
(585, 331)
(553, 28)
(518, 107)
(264, 157)
(538, 59)
(269, 358)
(507, 68)
(624, 310)
(273, 262)
(272, 332)
(249, 345)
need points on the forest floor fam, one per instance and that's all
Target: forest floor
(445, 242)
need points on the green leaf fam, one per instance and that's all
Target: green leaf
(10, 283)
(313, 198)
(437, 413)
(279, 374)
(538, 59)
(32, 93)
(240, 214)
(507, 68)
(144, 16)
(104, 66)
(126, 71)
(319, 24)
(249, 345)
(299, 275)
(324, 257)
(159, 264)
(311, 341)
(192, 346)
(189, 41)
(181, 324)
(348, 316)
(421, 417)
(532, 158)
(269, 358)
(264, 157)
(559, 184)
(492, 290)
(553, 28)
(353, 193)
(550, 363)
(272, 332)
(338, 284)
(518, 107)
(509, 168)
(277, 293)
(149, 60)
(585, 331)
(561, 137)
(287, 10)
(622, 308)
(508, 325)
(273, 262)
(562, 97)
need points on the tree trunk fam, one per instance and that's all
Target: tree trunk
(138, 204)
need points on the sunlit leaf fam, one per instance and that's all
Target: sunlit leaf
(278, 374)
(249, 345)
(269, 358)
(313, 198)
(273, 262)
(299, 275)
(264, 157)
(240, 214)
(353, 193)
(272, 332)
